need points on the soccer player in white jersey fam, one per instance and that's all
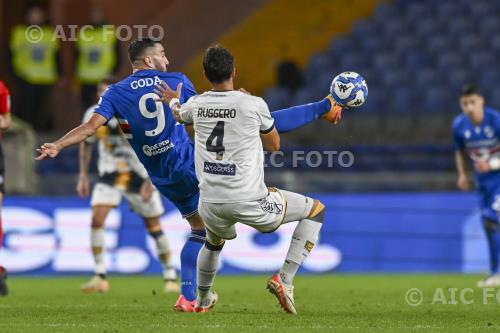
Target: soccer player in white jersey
(231, 130)
(121, 174)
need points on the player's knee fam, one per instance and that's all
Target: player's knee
(196, 222)
(214, 247)
(152, 224)
(317, 211)
(97, 221)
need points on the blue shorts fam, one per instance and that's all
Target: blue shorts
(184, 194)
(489, 197)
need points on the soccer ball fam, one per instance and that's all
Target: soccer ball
(349, 89)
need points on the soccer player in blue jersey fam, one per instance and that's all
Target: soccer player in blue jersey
(163, 145)
(476, 133)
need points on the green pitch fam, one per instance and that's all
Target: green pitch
(325, 303)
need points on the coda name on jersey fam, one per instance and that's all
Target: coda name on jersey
(216, 113)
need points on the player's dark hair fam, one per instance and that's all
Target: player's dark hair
(218, 64)
(137, 48)
(470, 89)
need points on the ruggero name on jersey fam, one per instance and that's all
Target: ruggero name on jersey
(216, 113)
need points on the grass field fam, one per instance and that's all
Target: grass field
(325, 303)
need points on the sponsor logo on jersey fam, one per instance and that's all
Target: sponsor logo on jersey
(309, 246)
(271, 207)
(216, 113)
(158, 148)
(220, 168)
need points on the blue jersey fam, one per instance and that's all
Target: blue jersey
(479, 141)
(161, 144)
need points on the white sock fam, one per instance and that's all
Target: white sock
(163, 250)
(97, 243)
(208, 262)
(304, 237)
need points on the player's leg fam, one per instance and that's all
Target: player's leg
(490, 206)
(185, 195)
(309, 213)
(208, 262)
(151, 211)
(163, 249)
(287, 120)
(218, 230)
(104, 199)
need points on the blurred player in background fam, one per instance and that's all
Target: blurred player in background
(231, 129)
(163, 145)
(121, 174)
(4, 124)
(477, 133)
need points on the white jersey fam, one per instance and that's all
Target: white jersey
(228, 150)
(115, 153)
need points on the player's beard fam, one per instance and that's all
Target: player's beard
(159, 66)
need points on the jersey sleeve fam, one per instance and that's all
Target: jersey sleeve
(105, 106)
(186, 112)
(4, 99)
(458, 141)
(266, 121)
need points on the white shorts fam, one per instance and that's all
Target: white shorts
(265, 215)
(107, 195)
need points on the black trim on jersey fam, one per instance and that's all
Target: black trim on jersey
(267, 131)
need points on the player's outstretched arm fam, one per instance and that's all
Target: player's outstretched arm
(462, 182)
(77, 135)
(287, 120)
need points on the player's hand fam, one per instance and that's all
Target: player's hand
(166, 94)
(47, 150)
(82, 187)
(463, 182)
(482, 166)
(146, 191)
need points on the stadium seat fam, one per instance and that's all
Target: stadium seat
(489, 25)
(386, 11)
(427, 27)
(482, 61)
(448, 9)
(470, 42)
(277, 98)
(450, 60)
(457, 78)
(416, 11)
(384, 60)
(438, 43)
(363, 28)
(340, 45)
(459, 26)
(427, 77)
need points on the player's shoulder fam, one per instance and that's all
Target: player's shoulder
(459, 120)
(251, 99)
(172, 76)
(491, 112)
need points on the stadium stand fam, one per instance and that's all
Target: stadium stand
(414, 58)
